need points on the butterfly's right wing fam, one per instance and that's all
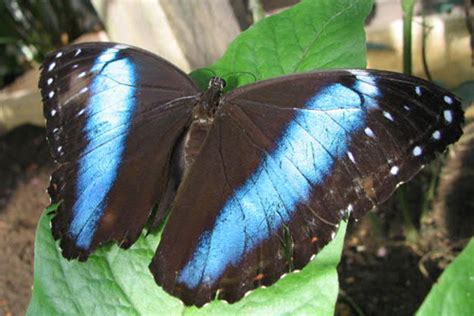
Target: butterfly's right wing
(288, 158)
(114, 114)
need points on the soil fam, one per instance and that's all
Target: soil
(25, 168)
(380, 273)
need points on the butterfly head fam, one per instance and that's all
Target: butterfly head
(216, 83)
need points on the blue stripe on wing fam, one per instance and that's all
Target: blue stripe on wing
(108, 118)
(302, 159)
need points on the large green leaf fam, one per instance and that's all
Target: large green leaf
(311, 35)
(453, 293)
(118, 282)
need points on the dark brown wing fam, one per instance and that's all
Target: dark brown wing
(114, 114)
(284, 162)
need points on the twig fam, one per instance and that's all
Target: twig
(407, 7)
(345, 297)
(255, 6)
(426, 30)
(470, 28)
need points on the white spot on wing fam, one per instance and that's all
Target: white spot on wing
(59, 54)
(394, 170)
(369, 132)
(49, 81)
(418, 90)
(51, 94)
(448, 116)
(350, 208)
(448, 99)
(75, 66)
(388, 116)
(51, 66)
(417, 151)
(83, 90)
(333, 234)
(53, 112)
(82, 74)
(78, 51)
(436, 135)
(351, 156)
(406, 107)
(121, 46)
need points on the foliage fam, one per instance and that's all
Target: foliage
(454, 292)
(29, 29)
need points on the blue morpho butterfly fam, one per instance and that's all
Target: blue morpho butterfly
(256, 181)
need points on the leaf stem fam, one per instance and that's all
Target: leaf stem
(256, 7)
(410, 230)
(426, 30)
(407, 7)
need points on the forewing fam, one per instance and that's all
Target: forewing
(114, 114)
(285, 161)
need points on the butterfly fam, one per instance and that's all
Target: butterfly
(250, 183)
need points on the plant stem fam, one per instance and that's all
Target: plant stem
(376, 224)
(470, 28)
(407, 7)
(352, 304)
(255, 6)
(424, 39)
(410, 230)
(434, 171)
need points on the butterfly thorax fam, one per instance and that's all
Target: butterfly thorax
(209, 100)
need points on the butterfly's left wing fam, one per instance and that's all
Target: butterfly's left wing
(284, 162)
(114, 114)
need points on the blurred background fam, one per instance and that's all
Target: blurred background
(390, 260)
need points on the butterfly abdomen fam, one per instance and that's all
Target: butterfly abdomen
(192, 142)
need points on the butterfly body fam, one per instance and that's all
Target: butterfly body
(202, 119)
(189, 145)
(255, 181)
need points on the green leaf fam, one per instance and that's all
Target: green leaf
(111, 282)
(118, 282)
(453, 293)
(311, 35)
